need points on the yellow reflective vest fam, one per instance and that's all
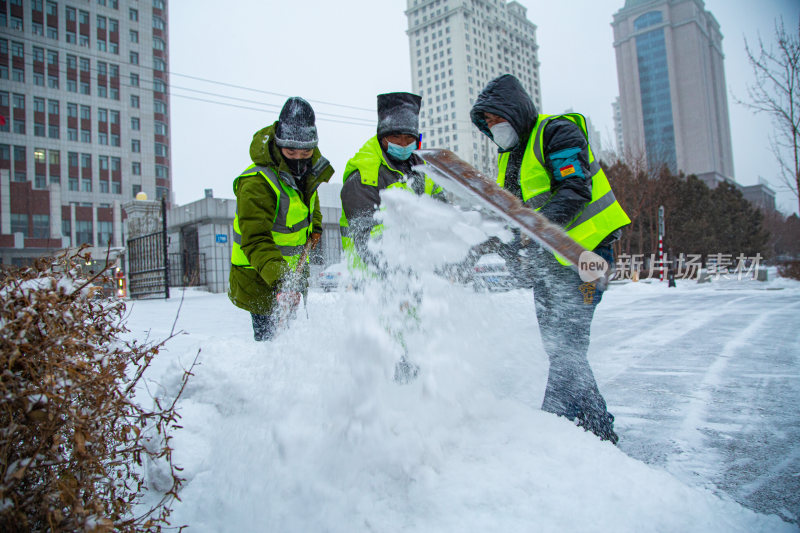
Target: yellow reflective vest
(368, 161)
(598, 218)
(293, 219)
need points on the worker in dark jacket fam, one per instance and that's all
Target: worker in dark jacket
(278, 218)
(385, 161)
(547, 162)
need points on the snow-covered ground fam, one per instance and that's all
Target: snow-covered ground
(310, 433)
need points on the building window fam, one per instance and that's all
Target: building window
(19, 223)
(133, 15)
(134, 36)
(160, 128)
(134, 101)
(134, 58)
(83, 232)
(134, 80)
(136, 146)
(104, 231)
(161, 150)
(135, 123)
(136, 168)
(41, 226)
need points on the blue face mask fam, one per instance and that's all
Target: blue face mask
(400, 152)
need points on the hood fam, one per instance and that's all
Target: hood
(505, 96)
(263, 150)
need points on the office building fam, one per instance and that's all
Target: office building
(83, 89)
(761, 195)
(671, 76)
(457, 47)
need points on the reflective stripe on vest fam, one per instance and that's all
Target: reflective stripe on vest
(601, 216)
(291, 225)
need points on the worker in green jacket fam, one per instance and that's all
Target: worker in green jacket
(278, 219)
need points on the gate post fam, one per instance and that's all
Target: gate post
(164, 241)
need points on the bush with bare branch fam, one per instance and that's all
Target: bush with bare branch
(72, 436)
(776, 92)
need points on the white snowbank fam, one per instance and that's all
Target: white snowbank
(310, 433)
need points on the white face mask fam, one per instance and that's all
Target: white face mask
(504, 136)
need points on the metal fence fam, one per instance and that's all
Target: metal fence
(148, 268)
(187, 269)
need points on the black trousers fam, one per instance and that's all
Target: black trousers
(565, 307)
(263, 327)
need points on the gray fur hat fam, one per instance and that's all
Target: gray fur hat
(398, 113)
(296, 127)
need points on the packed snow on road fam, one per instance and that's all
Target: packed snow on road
(310, 432)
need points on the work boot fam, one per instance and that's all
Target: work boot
(602, 426)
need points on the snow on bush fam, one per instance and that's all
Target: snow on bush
(72, 438)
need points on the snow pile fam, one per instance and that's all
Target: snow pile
(310, 433)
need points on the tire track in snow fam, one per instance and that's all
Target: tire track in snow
(689, 438)
(624, 357)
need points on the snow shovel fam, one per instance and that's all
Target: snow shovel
(458, 176)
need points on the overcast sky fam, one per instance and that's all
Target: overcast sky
(340, 55)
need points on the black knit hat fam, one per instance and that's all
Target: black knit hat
(296, 127)
(398, 113)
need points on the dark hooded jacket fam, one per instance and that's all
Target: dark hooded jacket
(505, 97)
(254, 289)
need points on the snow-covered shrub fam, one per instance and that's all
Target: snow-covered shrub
(789, 269)
(72, 438)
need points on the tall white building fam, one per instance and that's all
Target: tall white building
(457, 47)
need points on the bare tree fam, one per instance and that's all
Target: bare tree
(776, 92)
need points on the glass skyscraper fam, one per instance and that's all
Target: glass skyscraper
(673, 101)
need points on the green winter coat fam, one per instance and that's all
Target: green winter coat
(254, 289)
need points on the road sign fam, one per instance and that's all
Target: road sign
(222, 238)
